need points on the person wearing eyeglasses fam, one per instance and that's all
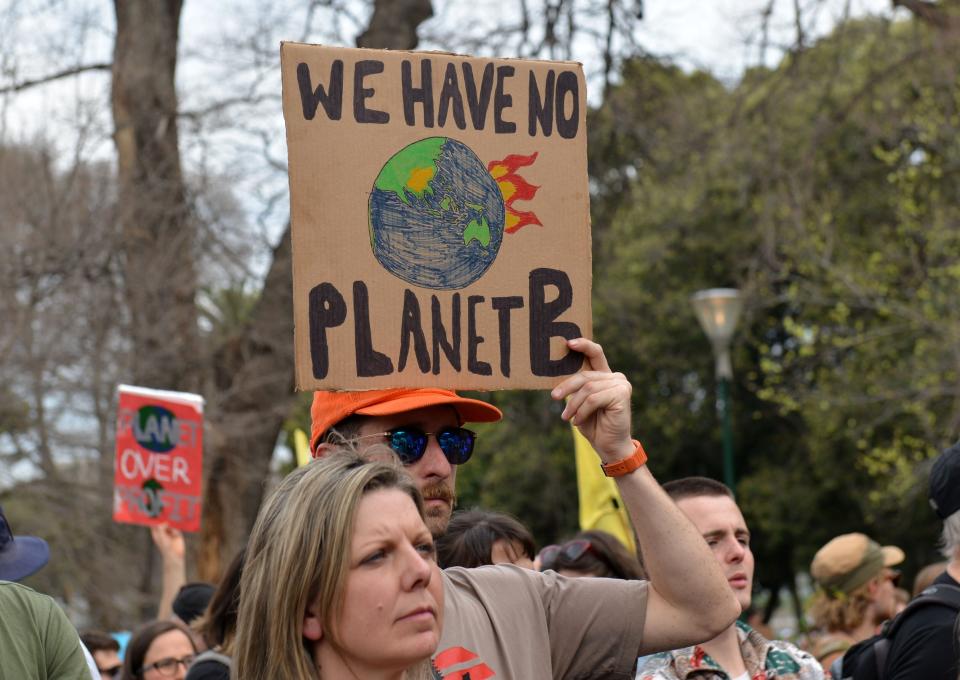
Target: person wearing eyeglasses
(159, 650)
(507, 622)
(739, 652)
(593, 554)
(856, 592)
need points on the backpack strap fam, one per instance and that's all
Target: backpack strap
(939, 593)
(942, 594)
(881, 650)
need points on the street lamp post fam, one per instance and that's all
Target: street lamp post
(718, 310)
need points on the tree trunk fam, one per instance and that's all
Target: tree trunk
(393, 24)
(158, 233)
(254, 372)
(253, 376)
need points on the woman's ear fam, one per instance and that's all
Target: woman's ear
(312, 624)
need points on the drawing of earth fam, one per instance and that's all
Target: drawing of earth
(436, 215)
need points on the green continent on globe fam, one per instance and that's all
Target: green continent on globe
(479, 231)
(436, 215)
(413, 170)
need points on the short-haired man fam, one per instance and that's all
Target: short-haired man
(739, 652)
(925, 644)
(105, 651)
(856, 592)
(511, 623)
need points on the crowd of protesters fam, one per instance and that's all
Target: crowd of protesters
(357, 567)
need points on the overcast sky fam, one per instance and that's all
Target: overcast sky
(721, 36)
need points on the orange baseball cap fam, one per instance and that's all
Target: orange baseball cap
(329, 408)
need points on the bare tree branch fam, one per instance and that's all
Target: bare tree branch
(66, 73)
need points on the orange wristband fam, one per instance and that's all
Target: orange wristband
(626, 465)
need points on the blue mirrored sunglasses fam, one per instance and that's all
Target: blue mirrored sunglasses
(410, 443)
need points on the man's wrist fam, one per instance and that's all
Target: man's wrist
(626, 464)
(622, 450)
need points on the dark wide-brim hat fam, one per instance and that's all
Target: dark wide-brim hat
(20, 556)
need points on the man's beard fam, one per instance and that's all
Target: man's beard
(438, 517)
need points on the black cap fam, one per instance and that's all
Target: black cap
(192, 601)
(945, 482)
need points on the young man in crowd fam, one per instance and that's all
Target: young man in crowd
(106, 653)
(512, 623)
(856, 592)
(925, 645)
(739, 652)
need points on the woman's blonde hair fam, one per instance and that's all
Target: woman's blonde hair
(838, 611)
(299, 554)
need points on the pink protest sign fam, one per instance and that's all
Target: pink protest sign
(158, 469)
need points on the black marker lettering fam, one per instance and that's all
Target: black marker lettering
(450, 94)
(451, 350)
(502, 101)
(326, 309)
(370, 362)
(504, 305)
(543, 327)
(541, 110)
(331, 99)
(411, 327)
(361, 113)
(474, 365)
(422, 94)
(567, 84)
(478, 103)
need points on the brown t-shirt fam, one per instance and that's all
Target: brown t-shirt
(510, 623)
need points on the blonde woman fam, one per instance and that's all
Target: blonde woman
(340, 579)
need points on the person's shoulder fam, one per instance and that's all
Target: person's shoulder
(499, 578)
(507, 575)
(660, 666)
(786, 657)
(945, 579)
(930, 617)
(25, 596)
(827, 644)
(493, 573)
(209, 666)
(14, 587)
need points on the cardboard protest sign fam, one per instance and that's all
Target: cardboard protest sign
(440, 218)
(158, 470)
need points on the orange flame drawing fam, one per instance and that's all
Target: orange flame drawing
(514, 188)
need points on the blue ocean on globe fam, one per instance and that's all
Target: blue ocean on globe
(436, 215)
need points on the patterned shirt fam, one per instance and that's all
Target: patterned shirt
(765, 660)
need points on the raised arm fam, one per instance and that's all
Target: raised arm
(170, 543)
(690, 601)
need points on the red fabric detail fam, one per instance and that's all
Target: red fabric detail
(452, 656)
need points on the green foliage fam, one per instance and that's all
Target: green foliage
(826, 189)
(525, 466)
